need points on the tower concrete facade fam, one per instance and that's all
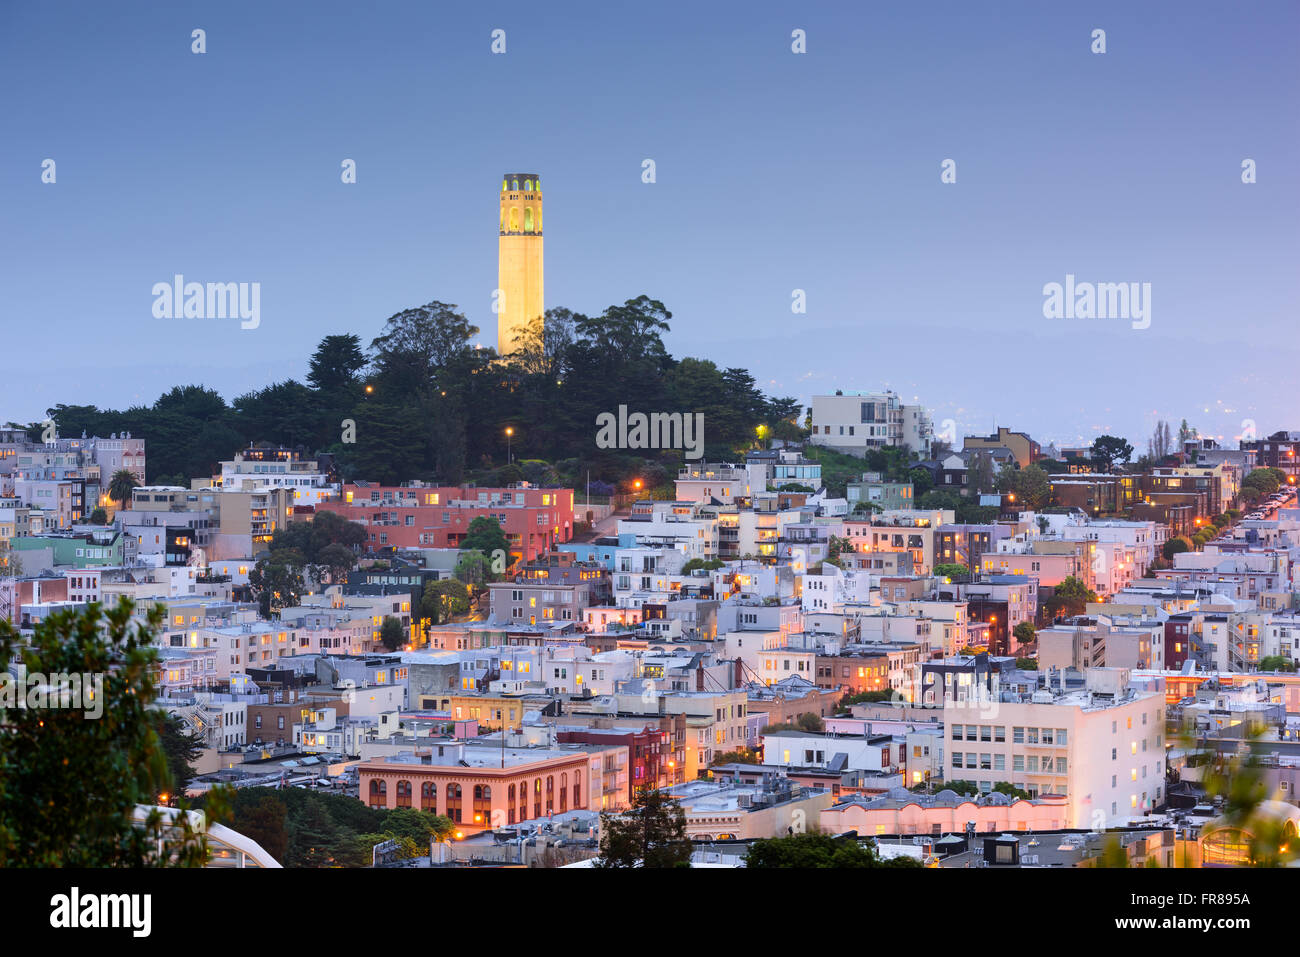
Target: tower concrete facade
(519, 258)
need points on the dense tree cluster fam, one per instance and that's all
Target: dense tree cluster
(423, 402)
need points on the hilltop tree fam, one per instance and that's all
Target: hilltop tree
(336, 365)
(1109, 451)
(1031, 486)
(652, 833)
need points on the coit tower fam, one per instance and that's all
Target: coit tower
(519, 258)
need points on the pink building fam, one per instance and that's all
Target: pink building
(901, 812)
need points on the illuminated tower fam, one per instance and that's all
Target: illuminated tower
(519, 258)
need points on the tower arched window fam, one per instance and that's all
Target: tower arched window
(516, 185)
(504, 186)
(528, 186)
(514, 219)
(528, 219)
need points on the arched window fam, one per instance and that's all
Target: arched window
(504, 186)
(516, 185)
(403, 793)
(514, 219)
(453, 802)
(528, 186)
(428, 796)
(478, 792)
(528, 219)
(537, 184)
(577, 789)
(564, 793)
(378, 793)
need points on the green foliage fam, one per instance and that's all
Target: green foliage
(69, 783)
(806, 722)
(1265, 481)
(866, 697)
(391, 634)
(839, 468)
(180, 747)
(1027, 664)
(426, 404)
(652, 833)
(819, 850)
(303, 828)
(314, 539)
(1031, 486)
(742, 756)
(701, 564)
(836, 547)
(979, 473)
(1071, 597)
(1112, 854)
(1110, 450)
(485, 535)
(811, 722)
(1175, 546)
(443, 600)
(120, 487)
(277, 580)
(1024, 632)
(951, 570)
(1006, 787)
(1276, 663)
(99, 517)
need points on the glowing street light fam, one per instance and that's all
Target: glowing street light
(509, 432)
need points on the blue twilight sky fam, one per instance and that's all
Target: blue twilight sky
(775, 172)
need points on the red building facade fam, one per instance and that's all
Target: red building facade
(428, 516)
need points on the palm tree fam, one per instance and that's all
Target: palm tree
(120, 486)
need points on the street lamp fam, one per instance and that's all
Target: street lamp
(509, 432)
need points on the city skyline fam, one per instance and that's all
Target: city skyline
(774, 172)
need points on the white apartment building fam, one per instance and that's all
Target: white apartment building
(674, 525)
(1102, 747)
(260, 469)
(854, 423)
(722, 482)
